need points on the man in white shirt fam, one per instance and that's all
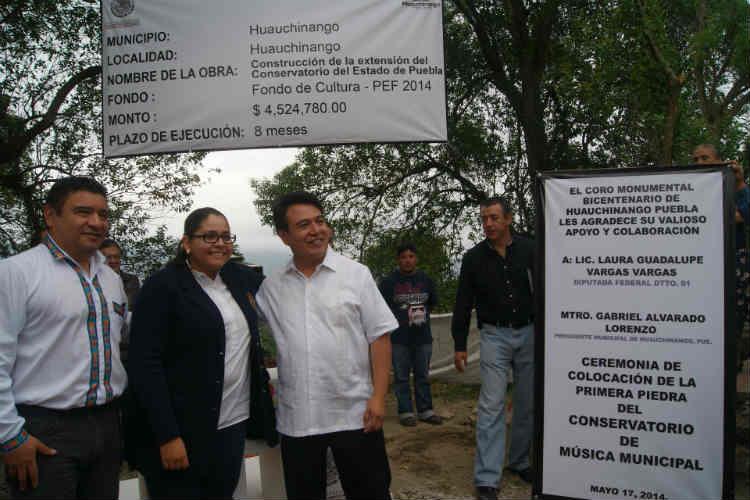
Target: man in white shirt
(62, 310)
(331, 327)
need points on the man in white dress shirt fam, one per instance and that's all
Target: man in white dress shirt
(61, 314)
(331, 327)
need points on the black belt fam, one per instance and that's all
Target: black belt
(516, 325)
(41, 411)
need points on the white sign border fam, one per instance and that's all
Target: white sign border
(729, 437)
(279, 146)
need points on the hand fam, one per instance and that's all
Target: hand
(374, 414)
(174, 455)
(21, 462)
(460, 359)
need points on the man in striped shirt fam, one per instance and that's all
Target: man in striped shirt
(62, 310)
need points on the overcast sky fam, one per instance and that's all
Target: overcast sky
(229, 191)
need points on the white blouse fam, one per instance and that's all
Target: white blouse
(235, 399)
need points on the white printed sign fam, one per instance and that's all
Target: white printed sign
(634, 336)
(182, 75)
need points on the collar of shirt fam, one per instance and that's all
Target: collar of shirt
(95, 261)
(329, 262)
(491, 248)
(205, 280)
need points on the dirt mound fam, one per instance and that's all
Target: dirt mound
(430, 462)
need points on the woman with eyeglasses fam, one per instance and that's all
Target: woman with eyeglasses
(196, 367)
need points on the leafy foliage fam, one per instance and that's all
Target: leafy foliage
(378, 188)
(143, 256)
(541, 85)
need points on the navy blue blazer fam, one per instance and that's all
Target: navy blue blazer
(176, 364)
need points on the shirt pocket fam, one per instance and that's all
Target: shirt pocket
(520, 277)
(487, 278)
(340, 311)
(336, 341)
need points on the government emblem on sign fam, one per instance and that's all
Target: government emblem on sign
(122, 8)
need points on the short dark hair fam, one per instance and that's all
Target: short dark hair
(109, 242)
(497, 200)
(63, 188)
(403, 247)
(192, 222)
(283, 202)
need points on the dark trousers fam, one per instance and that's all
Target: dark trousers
(360, 459)
(407, 359)
(214, 477)
(87, 463)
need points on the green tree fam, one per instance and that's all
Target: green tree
(532, 86)
(145, 255)
(631, 74)
(376, 188)
(237, 256)
(703, 54)
(515, 40)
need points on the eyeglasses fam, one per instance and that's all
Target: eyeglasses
(212, 237)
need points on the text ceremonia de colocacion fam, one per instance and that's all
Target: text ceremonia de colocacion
(639, 390)
(291, 81)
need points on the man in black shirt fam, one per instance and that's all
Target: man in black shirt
(497, 278)
(411, 295)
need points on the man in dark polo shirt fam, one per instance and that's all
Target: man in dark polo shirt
(411, 295)
(497, 278)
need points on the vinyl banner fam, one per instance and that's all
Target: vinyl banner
(635, 317)
(182, 75)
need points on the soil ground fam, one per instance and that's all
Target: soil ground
(437, 461)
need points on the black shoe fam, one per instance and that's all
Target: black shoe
(408, 421)
(486, 493)
(526, 474)
(433, 419)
